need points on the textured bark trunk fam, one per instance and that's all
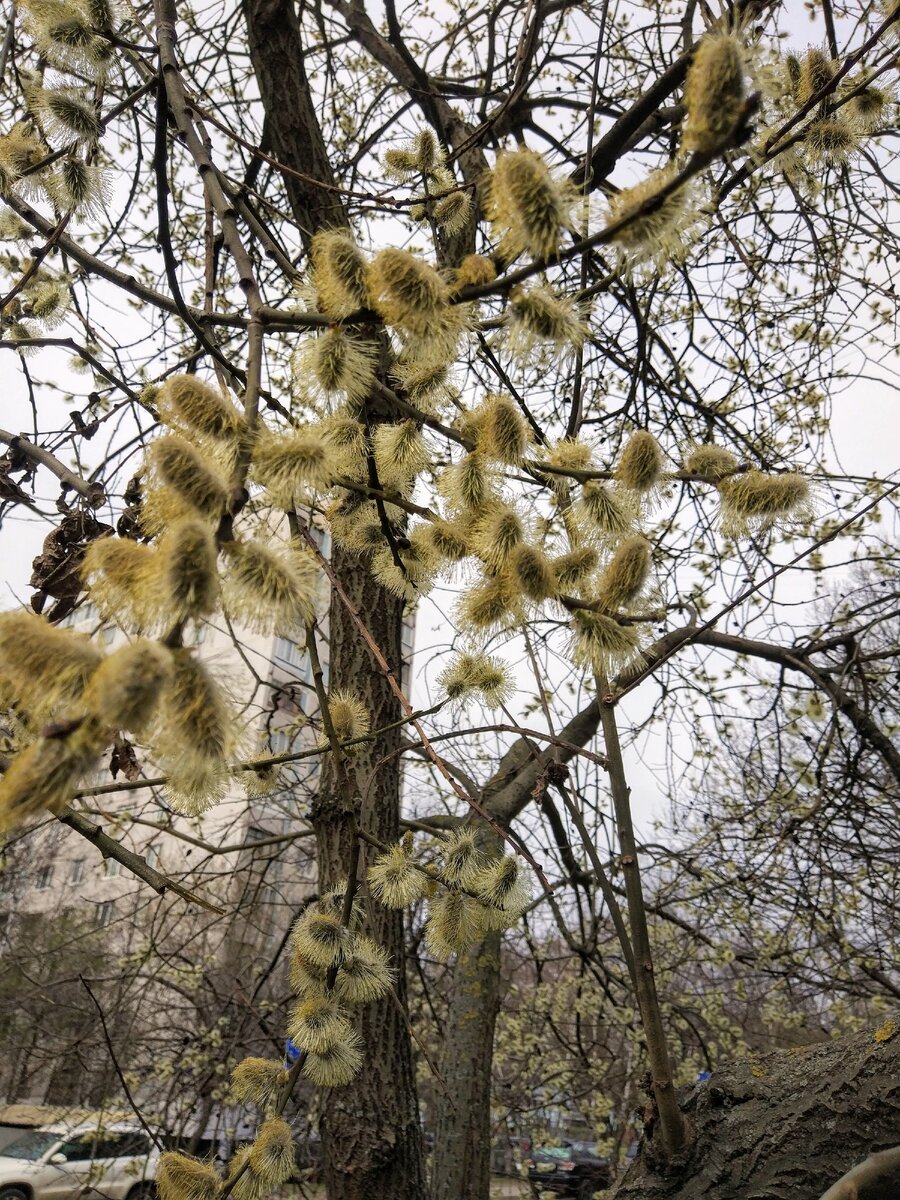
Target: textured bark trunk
(372, 1144)
(370, 1130)
(784, 1126)
(460, 1167)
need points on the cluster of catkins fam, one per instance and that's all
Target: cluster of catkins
(72, 39)
(468, 893)
(255, 1170)
(70, 700)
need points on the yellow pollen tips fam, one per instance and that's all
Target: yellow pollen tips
(124, 691)
(755, 501)
(336, 1066)
(270, 588)
(641, 463)
(338, 273)
(257, 1081)
(179, 1177)
(272, 1153)
(179, 466)
(185, 402)
(527, 206)
(714, 93)
(455, 922)
(317, 1024)
(407, 291)
(395, 880)
(710, 462)
(478, 674)
(625, 575)
(48, 667)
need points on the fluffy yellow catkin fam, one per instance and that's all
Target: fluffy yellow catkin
(400, 453)
(641, 463)
(829, 140)
(757, 501)
(394, 879)
(575, 567)
(179, 1177)
(272, 1152)
(317, 1023)
(47, 667)
(271, 589)
(288, 464)
(604, 510)
(406, 291)
(601, 643)
(124, 691)
(320, 938)
(491, 604)
(185, 402)
(815, 73)
(241, 1180)
(710, 462)
(496, 534)
(122, 578)
(337, 362)
(349, 715)
(504, 885)
(503, 432)
(46, 773)
(527, 206)
(195, 734)
(258, 1081)
(473, 271)
(478, 673)
(626, 573)
(338, 273)
(187, 563)
(336, 1066)
(180, 466)
(462, 860)
(532, 572)
(365, 976)
(656, 225)
(714, 93)
(538, 314)
(455, 922)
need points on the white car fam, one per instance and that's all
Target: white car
(70, 1162)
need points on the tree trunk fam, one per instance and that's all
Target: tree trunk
(462, 1148)
(785, 1125)
(462, 1145)
(372, 1144)
(371, 1138)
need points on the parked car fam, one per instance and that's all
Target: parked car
(68, 1162)
(570, 1169)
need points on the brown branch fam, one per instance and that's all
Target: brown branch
(875, 1178)
(92, 492)
(137, 865)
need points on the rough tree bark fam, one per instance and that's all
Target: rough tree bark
(372, 1144)
(783, 1125)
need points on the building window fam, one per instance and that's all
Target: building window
(43, 878)
(152, 857)
(112, 867)
(104, 914)
(289, 652)
(76, 871)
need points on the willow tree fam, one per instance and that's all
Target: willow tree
(542, 305)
